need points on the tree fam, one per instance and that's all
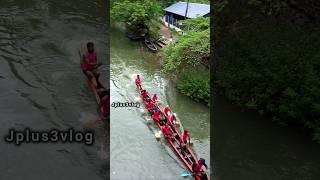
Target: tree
(136, 14)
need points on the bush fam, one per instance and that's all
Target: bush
(195, 85)
(190, 50)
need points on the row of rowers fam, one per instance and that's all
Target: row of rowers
(157, 114)
(162, 118)
(165, 123)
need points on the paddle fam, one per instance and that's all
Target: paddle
(186, 173)
(158, 135)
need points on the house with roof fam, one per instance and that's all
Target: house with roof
(184, 10)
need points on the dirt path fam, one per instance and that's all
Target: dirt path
(166, 32)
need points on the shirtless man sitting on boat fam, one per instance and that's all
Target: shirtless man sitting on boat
(89, 64)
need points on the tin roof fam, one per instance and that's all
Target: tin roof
(194, 9)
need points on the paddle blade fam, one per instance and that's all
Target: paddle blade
(158, 135)
(186, 174)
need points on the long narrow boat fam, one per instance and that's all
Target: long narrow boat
(98, 96)
(190, 158)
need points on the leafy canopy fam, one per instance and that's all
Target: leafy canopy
(136, 13)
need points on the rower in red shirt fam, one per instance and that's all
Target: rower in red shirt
(167, 131)
(172, 119)
(156, 116)
(167, 111)
(150, 106)
(185, 137)
(197, 166)
(89, 64)
(184, 141)
(144, 93)
(138, 81)
(154, 98)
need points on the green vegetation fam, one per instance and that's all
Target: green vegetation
(269, 66)
(195, 84)
(138, 15)
(191, 51)
(196, 24)
(142, 14)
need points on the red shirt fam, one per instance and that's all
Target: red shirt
(166, 110)
(185, 137)
(138, 81)
(149, 106)
(172, 119)
(166, 130)
(90, 59)
(154, 98)
(197, 167)
(156, 115)
(144, 94)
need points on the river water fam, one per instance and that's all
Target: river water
(42, 87)
(135, 153)
(250, 146)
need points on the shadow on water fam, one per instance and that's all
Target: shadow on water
(250, 146)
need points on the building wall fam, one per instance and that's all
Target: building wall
(173, 19)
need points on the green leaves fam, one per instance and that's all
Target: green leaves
(196, 24)
(136, 13)
(195, 84)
